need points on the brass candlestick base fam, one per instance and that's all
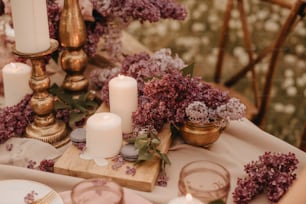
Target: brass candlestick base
(45, 127)
(72, 34)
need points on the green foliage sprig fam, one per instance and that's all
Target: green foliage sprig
(147, 144)
(79, 107)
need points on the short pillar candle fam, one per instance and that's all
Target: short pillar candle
(16, 78)
(123, 100)
(103, 135)
(30, 21)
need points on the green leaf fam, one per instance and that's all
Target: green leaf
(80, 107)
(60, 105)
(188, 70)
(147, 144)
(141, 143)
(156, 141)
(144, 156)
(165, 158)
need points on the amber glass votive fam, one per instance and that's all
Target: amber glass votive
(100, 190)
(204, 180)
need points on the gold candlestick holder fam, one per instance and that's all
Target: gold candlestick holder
(45, 127)
(72, 35)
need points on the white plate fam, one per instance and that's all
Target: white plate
(13, 191)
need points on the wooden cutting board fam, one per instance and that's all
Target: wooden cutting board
(71, 164)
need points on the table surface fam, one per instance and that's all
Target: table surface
(240, 143)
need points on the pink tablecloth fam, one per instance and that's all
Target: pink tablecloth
(239, 144)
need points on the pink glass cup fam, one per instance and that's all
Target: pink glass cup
(99, 190)
(204, 180)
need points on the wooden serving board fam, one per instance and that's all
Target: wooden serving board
(71, 164)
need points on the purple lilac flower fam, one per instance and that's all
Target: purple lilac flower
(130, 170)
(9, 147)
(31, 164)
(30, 197)
(14, 119)
(197, 112)
(118, 162)
(47, 165)
(272, 173)
(232, 110)
(112, 16)
(165, 99)
(144, 67)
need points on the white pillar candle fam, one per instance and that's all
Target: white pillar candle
(30, 22)
(123, 100)
(16, 78)
(103, 135)
(188, 199)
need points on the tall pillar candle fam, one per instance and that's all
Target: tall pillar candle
(30, 22)
(123, 99)
(16, 78)
(103, 135)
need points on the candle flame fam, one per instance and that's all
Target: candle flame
(188, 197)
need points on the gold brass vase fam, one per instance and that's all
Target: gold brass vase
(203, 135)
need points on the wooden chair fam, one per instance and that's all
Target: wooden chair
(303, 139)
(256, 111)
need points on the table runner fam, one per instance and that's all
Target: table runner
(240, 143)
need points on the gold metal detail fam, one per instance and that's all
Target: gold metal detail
(45, 127)
(201, 135)
(72, 35)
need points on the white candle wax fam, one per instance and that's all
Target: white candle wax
(188, 199)
(103, 135)
(30, 21)
(16, 78)
(123, 100)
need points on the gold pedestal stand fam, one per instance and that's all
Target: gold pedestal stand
(45, 127)
(72, 35)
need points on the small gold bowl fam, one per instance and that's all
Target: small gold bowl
(203, 135)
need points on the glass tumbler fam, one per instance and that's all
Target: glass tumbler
(204, 180)
(99, 190)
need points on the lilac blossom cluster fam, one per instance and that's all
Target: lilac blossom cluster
(142, 67)
(199, 112)
(164, 91)
(165, 99)
(99, 77)
(47, 165)
(14, 119)
(30, 197)
(272, 173)
(108, 18)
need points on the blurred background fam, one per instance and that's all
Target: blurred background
(196, 40)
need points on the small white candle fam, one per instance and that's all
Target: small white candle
(123, 99)
(16, 78)
(188, 199)
(103, 135)
(30, 21)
